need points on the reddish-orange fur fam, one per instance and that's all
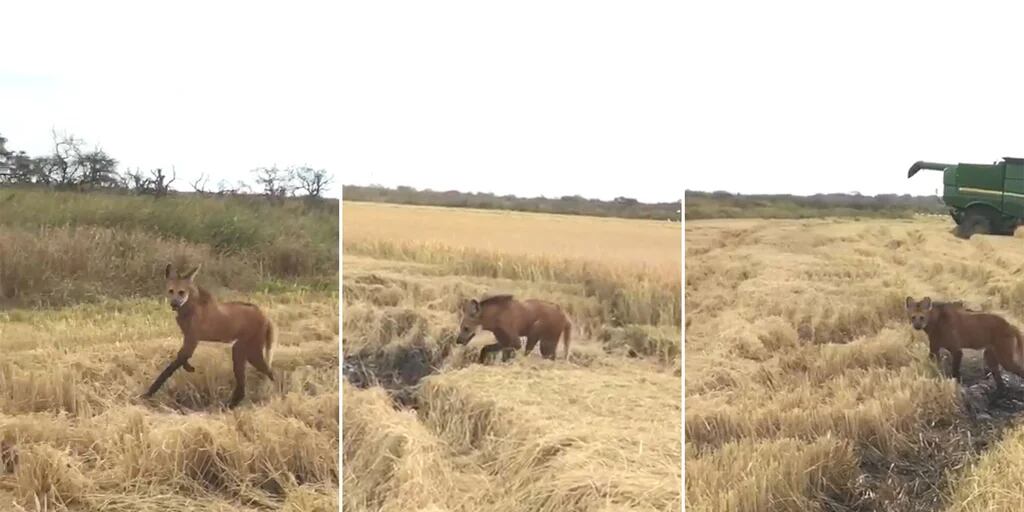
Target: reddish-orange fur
(509, 319)
(202, 318)
(954, 328)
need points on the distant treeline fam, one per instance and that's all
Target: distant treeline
(625, 207)
(72, 165)
(720, 205)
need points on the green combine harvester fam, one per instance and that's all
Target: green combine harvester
(983, 199)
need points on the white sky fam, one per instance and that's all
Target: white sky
(593, 98)
(201, 86)
(527, 98)
(806, 97)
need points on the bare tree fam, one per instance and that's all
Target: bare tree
(65, 167)
(135, 181)
(159, 182)
(312, 181)
(276, 182)
(199, 185)
(156, 183)
(97, 169)
(226, 189)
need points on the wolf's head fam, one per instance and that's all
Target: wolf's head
(471, 312)
(180, 287)
(919, 312)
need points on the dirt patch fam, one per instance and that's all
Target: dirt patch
(398, 371)
(919, 480)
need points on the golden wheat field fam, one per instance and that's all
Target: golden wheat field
(427, 428)
(806, 388)
(75, 436)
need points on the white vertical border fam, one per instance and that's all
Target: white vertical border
(341, 360)
(682, 351)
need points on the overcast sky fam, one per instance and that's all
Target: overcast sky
(200, 86)
(526, 98)
(805, 97)
(594, 98)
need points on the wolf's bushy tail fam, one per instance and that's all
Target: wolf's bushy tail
(1018, 354)
(269, 342)
(566, 337)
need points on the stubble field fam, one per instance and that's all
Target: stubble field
(426, 428)
(85, 328)
(806, 388)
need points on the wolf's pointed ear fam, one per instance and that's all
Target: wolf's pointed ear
(168, 270)
(926, 303)
(471, 307)
(910, 302)
(191, 275)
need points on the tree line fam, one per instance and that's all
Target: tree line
(624, 207)
(71, 164)
(719, 204)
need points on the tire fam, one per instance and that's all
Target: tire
(975, 222)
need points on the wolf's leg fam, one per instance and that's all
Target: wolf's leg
(186, 351)
(933, 352)
(255, 356)
(958, 355)
(238, 360)
(533, 336)
(488, 349)
(505, 343)
(992, 361)
(160, 379)
(548, 346)
(531, 341)
(507, 353)
(1009, 362)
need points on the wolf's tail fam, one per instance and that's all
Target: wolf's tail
(269, 342)
(566, 337)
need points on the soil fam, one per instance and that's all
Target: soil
(920, 480)
(398, 372)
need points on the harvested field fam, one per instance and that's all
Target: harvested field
(426, 428)
(806, 388)
(74, 435)
(85, 328)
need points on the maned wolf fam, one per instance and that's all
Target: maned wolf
(202, 318)
(509, 319)
(954, 328)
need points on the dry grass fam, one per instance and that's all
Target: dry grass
(598, 433)
(805, 388)
(74, 435)
(63, 247)
(631, 267)
(994, 483)
(594, 239)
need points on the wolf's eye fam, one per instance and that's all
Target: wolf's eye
(181, 293)
(171, 292)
